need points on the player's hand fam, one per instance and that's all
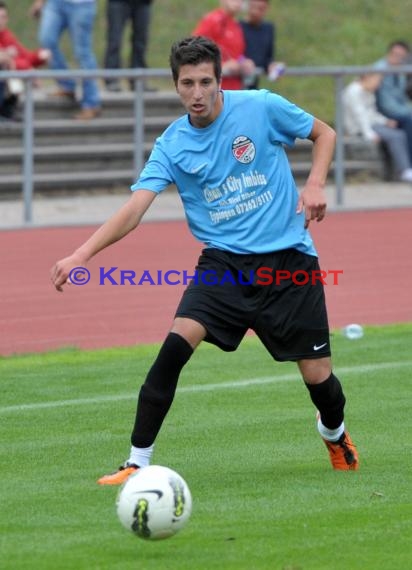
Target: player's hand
(60, 272)
(312, 201)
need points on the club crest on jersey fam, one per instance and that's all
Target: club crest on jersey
(243, 149)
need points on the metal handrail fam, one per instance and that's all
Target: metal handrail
(138, 76)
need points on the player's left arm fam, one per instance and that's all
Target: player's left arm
(313, 197)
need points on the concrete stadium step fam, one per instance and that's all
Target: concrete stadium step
(113, 104)
(11, 184)
(104, 179)
(370, 168)
(69, 158)
(69, 131)
(362, 160)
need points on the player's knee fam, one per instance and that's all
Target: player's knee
(315, 371)
(190, 330)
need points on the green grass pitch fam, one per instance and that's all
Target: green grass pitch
(242, 433)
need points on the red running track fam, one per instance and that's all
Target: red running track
(372, 248)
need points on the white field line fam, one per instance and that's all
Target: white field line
(236, 384)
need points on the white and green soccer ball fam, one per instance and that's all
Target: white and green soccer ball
(154, 503)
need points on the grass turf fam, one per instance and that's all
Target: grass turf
(241, 431)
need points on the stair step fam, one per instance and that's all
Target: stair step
(11, 183)
(113, 104)
(302, 168)
(110, 178)
(68, 158)
(63, 131)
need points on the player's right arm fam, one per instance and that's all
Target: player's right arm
(119, 225)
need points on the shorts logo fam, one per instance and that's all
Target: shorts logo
(243, 149)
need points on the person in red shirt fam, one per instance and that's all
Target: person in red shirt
(221, 26)
(21, 57)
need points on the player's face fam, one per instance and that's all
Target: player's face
(199, 92)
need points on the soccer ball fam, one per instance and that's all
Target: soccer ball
(154, 503)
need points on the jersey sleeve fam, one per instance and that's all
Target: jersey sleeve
(288, 121)
(157, 173)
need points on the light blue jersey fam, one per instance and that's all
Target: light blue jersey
(233, 176)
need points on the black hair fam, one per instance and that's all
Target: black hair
(3, 5)
(193, 51)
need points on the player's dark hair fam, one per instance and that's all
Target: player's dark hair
(3, 5)
(193, 51)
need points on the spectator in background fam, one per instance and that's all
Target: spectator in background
(5, 63)
(392, 97)
(221, 26)
(21, 57)
(118, 13)
(77, 17)
(14, 56)
(362, 119)
(260, 38)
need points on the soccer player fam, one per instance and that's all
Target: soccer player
(227, 160)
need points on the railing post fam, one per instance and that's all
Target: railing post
(28, 141)
(138, 146)
(340, 146)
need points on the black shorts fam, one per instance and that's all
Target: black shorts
(233, 293)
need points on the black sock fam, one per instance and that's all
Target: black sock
(329, 399)
(157, 393)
